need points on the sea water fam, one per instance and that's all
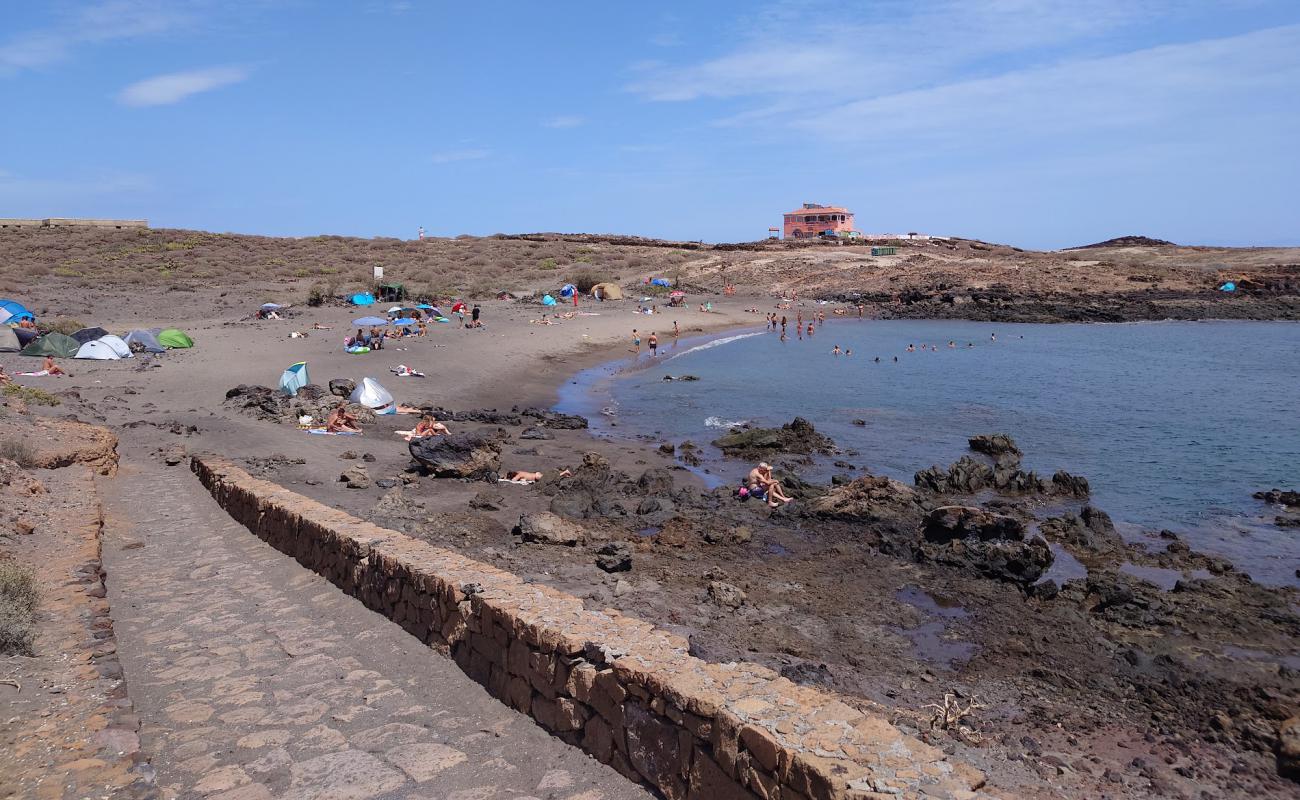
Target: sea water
(1175, 424)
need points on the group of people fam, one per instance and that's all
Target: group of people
(652, 341)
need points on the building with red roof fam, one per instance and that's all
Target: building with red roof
(813, 220)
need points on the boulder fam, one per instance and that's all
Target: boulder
(1090, 532)
(1288, 748)
(262, 402)
(614, 557)
(543, 527)
(965, 476)
(798, 437)
(870, 499)
(342, 387)
(998, 446)
(1067, 485)
(536, 433)
(555, 420)
(488, 500)
(1279, 497)
(988, 544)
(656, 482)
(724, 594)
(356, 477)
(460, 455)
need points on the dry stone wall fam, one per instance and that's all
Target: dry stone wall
(623, 690)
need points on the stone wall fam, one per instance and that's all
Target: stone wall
(623, 690)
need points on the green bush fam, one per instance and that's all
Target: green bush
(321, 293)
(17, 608)
(548, 263)
(585, 280)
(31, 395)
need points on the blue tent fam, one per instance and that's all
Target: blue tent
(294, 378)
(363, 299)
(424, 306)
(661, 282)
(567, 290)
(368, 321)
(1228, 287)
(547, 300)
(14, 311)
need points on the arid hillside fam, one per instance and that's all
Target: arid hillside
(957, 277)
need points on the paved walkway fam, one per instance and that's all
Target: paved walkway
(255, 678)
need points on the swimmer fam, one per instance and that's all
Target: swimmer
(877, 359)
(836, 351)
(911, 348)
(993, 337)
(848, 352)
(951, 343)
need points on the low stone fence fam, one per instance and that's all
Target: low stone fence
(623, 690)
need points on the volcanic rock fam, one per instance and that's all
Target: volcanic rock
(555, 420)
(1090, 531)
(724, 594)
(488, 500)
(998, 446)
(988, 544)
(1288, 748)
(614, 557)
(356, 477)
(544, 527)
(798, 437)
(656, 482)
(342, 387)
(1277, 496)
(460, 455)
(536, 433)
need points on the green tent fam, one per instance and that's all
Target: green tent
(176, 339)
(53, 344)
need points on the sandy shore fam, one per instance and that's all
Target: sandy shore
(1072, 701)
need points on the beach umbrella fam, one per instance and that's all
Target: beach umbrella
(395, 310)
(368, 321)
(404, 321)
(677, 293)
(294, 378)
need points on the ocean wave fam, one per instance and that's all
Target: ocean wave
(714, 343)
(719, 422)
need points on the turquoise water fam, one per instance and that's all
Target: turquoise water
(1175, 424)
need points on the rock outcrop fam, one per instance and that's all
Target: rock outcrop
(460, 455)
(544, 527)
(990, 544)
(798, 437)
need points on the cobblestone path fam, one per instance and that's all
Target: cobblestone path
(255, 678)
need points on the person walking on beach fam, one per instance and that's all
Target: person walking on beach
(636, 342)
(653, 342)
(676, 330)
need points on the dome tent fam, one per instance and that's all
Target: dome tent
(294, 378)
(89, 334)
(53, 344)
(14, 311)
(362, 299)
(607, 291)
(119, 346)
(146, 340)
(567, 290)
(173, 338)
(98, 351)
(8, 340)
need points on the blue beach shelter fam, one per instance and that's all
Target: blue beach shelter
(661, 282)
(363, 299)
(1228, 287)
(14, 311)
(547, 300)
(567, 290)
(404, 321)
(294, 378)
(366, 322)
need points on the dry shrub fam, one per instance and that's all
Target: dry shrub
(585, 280)
(65, 325)
(17, 608)
(32, 396)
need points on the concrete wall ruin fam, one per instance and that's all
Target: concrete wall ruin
(626, 692)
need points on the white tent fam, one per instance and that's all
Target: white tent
(98, 351)
(119, 346)
(373, 396)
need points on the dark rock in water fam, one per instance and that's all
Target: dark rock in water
(555, 420)
(656, 482)
(860, 422)
(614, 557)
(998, 446)
(544, 527)
(1275, 496)
(1067, 485)
(460, 455)
(965, 476)
(969, 476)
(488, 500)
(1286, 522)
(356, 477)
(667, 448)
(536, 433)
(1090, 532)
(841, 480)
(342, 387)
(988, 544)
(798, 437)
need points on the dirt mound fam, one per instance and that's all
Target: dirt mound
(54, 443)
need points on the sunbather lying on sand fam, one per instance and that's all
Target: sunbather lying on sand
(405, 409)
(340, 421)
(51, 368)
(524, 477)
(428, 426)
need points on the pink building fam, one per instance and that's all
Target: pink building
(812, 220)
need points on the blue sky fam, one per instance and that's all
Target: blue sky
(1042, 124)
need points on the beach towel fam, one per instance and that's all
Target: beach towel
(40, 374)
(403, 371)
(323, 432)
(518, 481)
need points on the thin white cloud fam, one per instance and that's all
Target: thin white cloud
(97, 23)
(454, 156)
(564, 121)
(162, 90)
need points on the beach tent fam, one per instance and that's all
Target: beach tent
(9, 340)
(146, 339)
(366, 322)
(89, 334)
(395, 310)
(272, 306)
(26, 335)
(363, 299)
(607, 291)
(119, 346)
(661, 282)
(547, 300)
(373, 396)
(174, 338)
(53, 344)
(1228, 287)
(14, 311)
(97, 351)
(294, 378)
(567, 290)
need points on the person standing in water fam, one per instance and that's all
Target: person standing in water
(636, 342)
(676, 330)
(653, 341)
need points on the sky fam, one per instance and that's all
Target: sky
(1038, 123)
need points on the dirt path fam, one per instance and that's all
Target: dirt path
(255, 678)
